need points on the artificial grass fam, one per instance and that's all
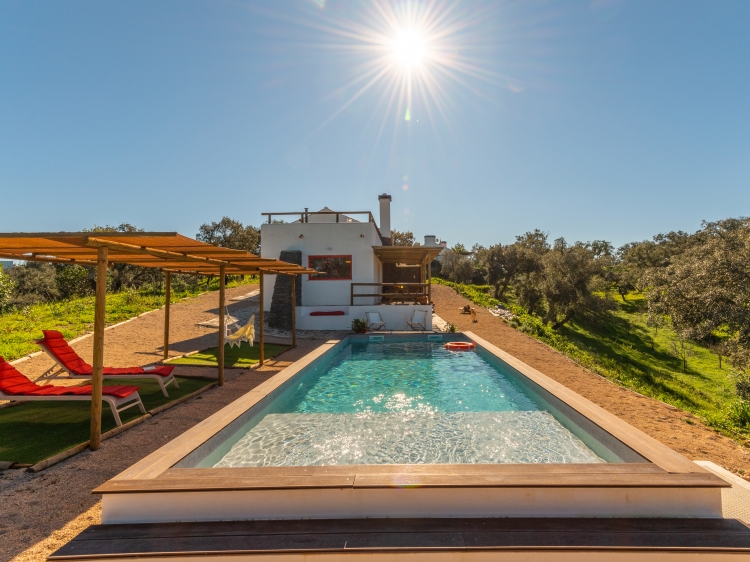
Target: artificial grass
(34, 431)
(234, 357)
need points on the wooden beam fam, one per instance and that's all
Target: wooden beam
(165, 254)
(294, 311)
(21, 257)
(222, 323)
(262, 326)
(167, 298)
(98, 362)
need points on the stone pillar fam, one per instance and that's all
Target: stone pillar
(280, 316)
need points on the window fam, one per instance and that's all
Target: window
(330, 267)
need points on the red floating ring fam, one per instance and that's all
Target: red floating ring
(460, 345)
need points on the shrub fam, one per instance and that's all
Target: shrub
(739, 413)
(359, 326)
(7, 285)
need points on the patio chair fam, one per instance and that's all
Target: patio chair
(418, 320)
(244, 333)
(17, 387)
(70, 362)
(374, 321)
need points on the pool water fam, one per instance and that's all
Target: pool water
(411, 402)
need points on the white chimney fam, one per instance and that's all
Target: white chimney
(429, 240)
(385, 218)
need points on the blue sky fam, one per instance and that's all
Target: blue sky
(600, 119)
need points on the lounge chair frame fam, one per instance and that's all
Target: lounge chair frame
(59, 371)
(416, 325)
(374, 326)
(116, 404)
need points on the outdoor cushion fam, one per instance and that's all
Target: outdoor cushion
(68, 358)
(328, 313)
(13, 382)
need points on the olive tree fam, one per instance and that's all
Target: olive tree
(7, 285)
(572, 275)
(706, 287)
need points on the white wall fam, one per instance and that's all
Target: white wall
(394, 316)
(321, 239)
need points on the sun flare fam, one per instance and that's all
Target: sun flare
(409, 48)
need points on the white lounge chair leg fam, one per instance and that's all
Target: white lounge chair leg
(163, 388)
(113, 407)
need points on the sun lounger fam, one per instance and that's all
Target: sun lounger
(418, 320)
(374, 321)
(17, 387)
(70, 362)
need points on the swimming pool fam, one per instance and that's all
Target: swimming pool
(409, 402)
(396, 426)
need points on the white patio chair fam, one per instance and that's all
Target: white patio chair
(374, 321)
(418, 320)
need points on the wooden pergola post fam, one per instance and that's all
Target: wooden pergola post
(262, 327)
(294, 310)
(429, 282)
(167, 299)
(98, 362)
(222, 320)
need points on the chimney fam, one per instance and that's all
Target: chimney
(444, 244)
(385, 219)
(429, 240)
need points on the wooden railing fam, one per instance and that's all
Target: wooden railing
(419, 293)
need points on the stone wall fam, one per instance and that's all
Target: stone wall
(280, 316)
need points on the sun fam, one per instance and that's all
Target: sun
(409, 48)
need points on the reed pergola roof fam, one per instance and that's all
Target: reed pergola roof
(169, 251)
(408, 255)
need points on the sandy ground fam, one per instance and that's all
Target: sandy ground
(41, 512)
(659, 420)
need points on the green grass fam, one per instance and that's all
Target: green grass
(622, 348)
(74, 317)
(34, 431)
(234, 357)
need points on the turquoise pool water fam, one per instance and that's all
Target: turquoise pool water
(408, 402)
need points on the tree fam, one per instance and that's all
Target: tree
(7, 286)
(456, 267)
(405, 238)
(706, 287)
(34, 283)
(571, 276)
(683, 349)
(230, 234)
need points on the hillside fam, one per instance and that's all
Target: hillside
(624, 349)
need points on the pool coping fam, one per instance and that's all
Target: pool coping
(667, 468)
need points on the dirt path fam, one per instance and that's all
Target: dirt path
(677, 429)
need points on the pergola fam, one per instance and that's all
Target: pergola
(169, 251)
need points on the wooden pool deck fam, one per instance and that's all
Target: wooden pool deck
(416, 539)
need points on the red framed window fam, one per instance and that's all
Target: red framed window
(330, 267)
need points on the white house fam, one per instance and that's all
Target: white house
(360, 270)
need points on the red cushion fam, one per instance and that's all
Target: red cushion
(66, 356)
(119, 391)
(328, 313)
(12, 381)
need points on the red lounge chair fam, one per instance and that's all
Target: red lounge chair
(71, 363)
(16, 387)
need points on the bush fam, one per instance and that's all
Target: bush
(740, 413)
(7, 285)
(359, 326)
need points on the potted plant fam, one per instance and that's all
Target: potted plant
(359, 326)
